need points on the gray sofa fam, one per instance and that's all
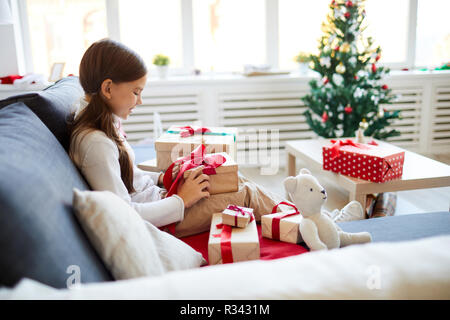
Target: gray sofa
(40, 237)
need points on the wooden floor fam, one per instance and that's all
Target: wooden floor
(414, 201)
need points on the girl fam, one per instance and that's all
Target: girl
(113, 78)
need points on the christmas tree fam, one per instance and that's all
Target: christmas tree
(349, 91)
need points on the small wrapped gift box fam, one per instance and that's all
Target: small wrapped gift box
(365, 161)
(228, 244)
(225, 178)
(282, 226)
(179, 141)
(237, 216)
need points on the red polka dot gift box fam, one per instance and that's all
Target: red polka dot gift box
(367, 161)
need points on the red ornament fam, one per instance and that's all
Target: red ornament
(374, 68)
(355, 77)
(377, 57)
(324, 117)
(337, 48)
(348, 109)
(325, 80)
(347, 14)
(384, 87)
(349, 4)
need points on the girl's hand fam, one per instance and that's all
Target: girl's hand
(194, 187)
(175, 170)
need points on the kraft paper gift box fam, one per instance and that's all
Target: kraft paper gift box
(233, 217)
(172, 145)
(288, 228)
(226, 177)
(243, 242)
(364, 161)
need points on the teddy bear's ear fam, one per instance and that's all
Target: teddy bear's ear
(289, 184)
(305, 171)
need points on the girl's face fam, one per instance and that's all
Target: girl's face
(123, 97)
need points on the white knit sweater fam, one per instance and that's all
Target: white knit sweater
(97, 157)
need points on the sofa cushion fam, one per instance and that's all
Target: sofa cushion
(52, 105)
(40, 237)
(403, 227)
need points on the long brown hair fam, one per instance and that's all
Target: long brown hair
(106, 59)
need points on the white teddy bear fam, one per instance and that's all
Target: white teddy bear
(317, 229)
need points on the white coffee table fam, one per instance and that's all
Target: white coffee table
(419, 172)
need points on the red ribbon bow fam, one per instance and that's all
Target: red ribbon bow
(276, 220)
(340, 143)
(188, 131)
(195, 159)
(242, 211)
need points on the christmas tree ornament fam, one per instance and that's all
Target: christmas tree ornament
(374, 68)
(349, 4)
(358, 93)
(325, 80)
(363, 124)
(324, 117)
(337, 79)
(347, 14)
(340, 68)
(345, 47)
(348, 109)
(352, 61)
(325, 61)
(384, 87)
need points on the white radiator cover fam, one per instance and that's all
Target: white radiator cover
(273, 103)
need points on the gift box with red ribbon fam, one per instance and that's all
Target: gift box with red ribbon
(282, 226)
(179, 141)
(229, 244)
(221, 168)
(368, 161)
(237, 216)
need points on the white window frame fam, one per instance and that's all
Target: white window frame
(272, 34)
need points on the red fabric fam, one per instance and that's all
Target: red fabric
(10, 79)
(269, 249)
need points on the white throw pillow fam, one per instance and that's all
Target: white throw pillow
(129, 246)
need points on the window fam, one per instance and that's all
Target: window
(228, 34)
(152, 27)
(224, 35)
(300, 24)
(62, 30)
(433, 33)
(387, 24)
(300, 28)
